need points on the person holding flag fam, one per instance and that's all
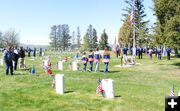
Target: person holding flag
(97, 59)
(84, 61)
(90, 59)
(106, 59)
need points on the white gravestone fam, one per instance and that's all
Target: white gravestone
(45, 62)
(75, 66)
(179, 93)
(59, 78)
(108, 87)
(60, 65)
(2, 62)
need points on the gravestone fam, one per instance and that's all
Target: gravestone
(60, 65)
(46, 62)
(2, 62)
(75, 66)
(108, 87)
(59, 79)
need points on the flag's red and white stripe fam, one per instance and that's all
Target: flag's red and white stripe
(132, 13)
(172, 92)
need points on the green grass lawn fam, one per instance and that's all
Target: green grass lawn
(138, 88)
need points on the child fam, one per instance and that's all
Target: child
(106, 59)
(84, 61)
(97, 59)
(90, 59)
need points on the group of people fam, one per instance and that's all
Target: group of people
(11, 56)
(29, 50)
(157, 51)
(96, 56)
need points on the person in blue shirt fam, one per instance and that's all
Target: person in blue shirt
(90, 59)
(125, 49)
(84, 61)
(106, 59)
(8, 57)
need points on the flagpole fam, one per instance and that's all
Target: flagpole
(134, 48)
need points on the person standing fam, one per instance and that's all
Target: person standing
(106, 59)
(40, 52)
(97, 57)
(16, 57)
(29, 52)
(118, 51)
(84, 61)
(7, 57)
(140, 50)
(168, 50)
(22, 55)
(125, 49)
(159, 51)
(150, 53)
(90, 59)
(34, 53)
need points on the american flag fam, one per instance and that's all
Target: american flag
(53, 83)
(99, 87)
(70, 67)
(132, 13)
(115, 48)
(172, 92)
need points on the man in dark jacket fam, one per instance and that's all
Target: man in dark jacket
(140, 50)
(15, 57)
(168, 50)
(22, 55)
(8, 56)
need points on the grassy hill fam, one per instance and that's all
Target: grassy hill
(142, 87)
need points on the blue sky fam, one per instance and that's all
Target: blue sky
(33, 18)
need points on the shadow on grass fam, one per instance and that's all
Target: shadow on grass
(68, 92)
(176, 64)
(111, 71)
(118, 96)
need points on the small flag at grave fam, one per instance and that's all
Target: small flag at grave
(99, 87)
(57, 65)
(172, 92)
(29, 70)
(33, 70)
(43, 64)
(49, 71)
(70, 66)
(49, 64)
(53, 82)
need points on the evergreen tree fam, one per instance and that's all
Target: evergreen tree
(126, 32)
(94, 39)
(167, 30)
(86, 43)
(78, 39)
(104, 40)
(53, 37)
(90, 35)
(65, 40)
(73, 37)
(140, 24)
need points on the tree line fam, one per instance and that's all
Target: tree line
(62, 39)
